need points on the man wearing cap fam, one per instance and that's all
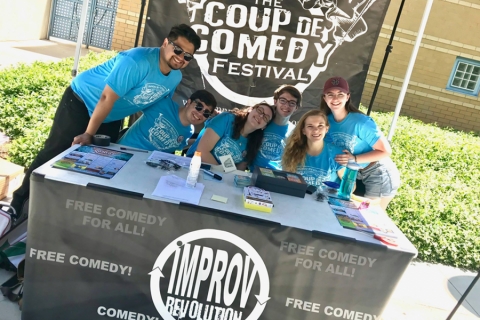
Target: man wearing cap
(100, 98)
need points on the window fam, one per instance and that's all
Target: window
(465, 77)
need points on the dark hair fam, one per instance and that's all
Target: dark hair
(348, 106)
(206, 97)
(291, 90)
(254, 139)
(183, 30)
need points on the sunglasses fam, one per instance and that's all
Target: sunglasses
(178, 51)
(199, 108)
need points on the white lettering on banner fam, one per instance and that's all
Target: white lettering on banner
(123, 314)
(100, 265)
(81, 261)
(84, 206)
(135, 216)
(181, 308)
(239, 31)
(349, 314)
(303, 305)
(293, 248)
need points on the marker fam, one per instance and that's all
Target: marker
(131, 149)
(213, 175)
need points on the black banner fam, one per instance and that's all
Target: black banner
(249, 48)
(96, 255)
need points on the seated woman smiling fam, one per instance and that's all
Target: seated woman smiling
(306, 152)
(238, 133)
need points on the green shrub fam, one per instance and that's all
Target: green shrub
(29, 95)
(438, 204)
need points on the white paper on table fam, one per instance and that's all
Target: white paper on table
(173, 187)
(158, 155)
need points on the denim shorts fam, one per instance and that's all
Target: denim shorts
(380, 180)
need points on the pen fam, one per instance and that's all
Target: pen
(132, 149)
(211, 174)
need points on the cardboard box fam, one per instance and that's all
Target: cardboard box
(257, 199)
(11, 176)
(284, 182)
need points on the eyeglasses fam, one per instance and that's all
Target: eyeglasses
(199, 107)
(178, 51)
(290, 103)
(262, 113)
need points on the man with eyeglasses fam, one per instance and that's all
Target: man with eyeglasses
(287, 99)
(170, 129)
(100, 98)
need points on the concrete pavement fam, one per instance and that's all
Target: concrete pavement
(426, 291)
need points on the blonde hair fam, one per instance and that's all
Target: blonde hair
(296, 149)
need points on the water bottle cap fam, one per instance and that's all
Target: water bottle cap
(353, 165)
(198, 153)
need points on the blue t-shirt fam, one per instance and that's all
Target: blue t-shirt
(273, 144)
(357, 133)
(159, 128)
(226, 145)
(135, 77)
(322, 167)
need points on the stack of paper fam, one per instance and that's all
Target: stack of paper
(173, 187)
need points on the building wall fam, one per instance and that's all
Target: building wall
(24, 19)
(126, 23)
(450, 33)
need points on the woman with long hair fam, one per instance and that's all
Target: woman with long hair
(308, 154)
(361, 140)
(238, 133)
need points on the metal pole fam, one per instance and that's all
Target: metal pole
(81, 30)
(140, 20)
(403, 91)
(387, 52)
(470, 287)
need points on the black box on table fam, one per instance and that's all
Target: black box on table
(278, 181)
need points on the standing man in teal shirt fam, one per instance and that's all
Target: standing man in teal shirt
(99, 98)
(287, 99)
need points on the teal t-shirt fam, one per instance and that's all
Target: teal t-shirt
(134, 75)
(226, 145)
(159, 128)
(274, 140)
(322, 167)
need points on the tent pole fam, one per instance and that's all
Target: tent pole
(81, 30)
(408, 74)
(140, 20)
(387, 52)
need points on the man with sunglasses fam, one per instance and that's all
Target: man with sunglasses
(99, 99)
(287, 99)
(170, 129)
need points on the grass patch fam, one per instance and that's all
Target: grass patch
(437, 206)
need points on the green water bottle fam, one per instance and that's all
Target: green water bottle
(348, 180)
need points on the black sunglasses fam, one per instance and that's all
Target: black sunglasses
(199, 108)
(178, 51)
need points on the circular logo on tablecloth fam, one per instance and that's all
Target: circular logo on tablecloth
(194, 277)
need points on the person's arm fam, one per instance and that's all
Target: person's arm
(381, 150)
(206, 145)
(100, 113)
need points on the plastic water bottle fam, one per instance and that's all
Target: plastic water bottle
(348, 180)
(194, 170)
